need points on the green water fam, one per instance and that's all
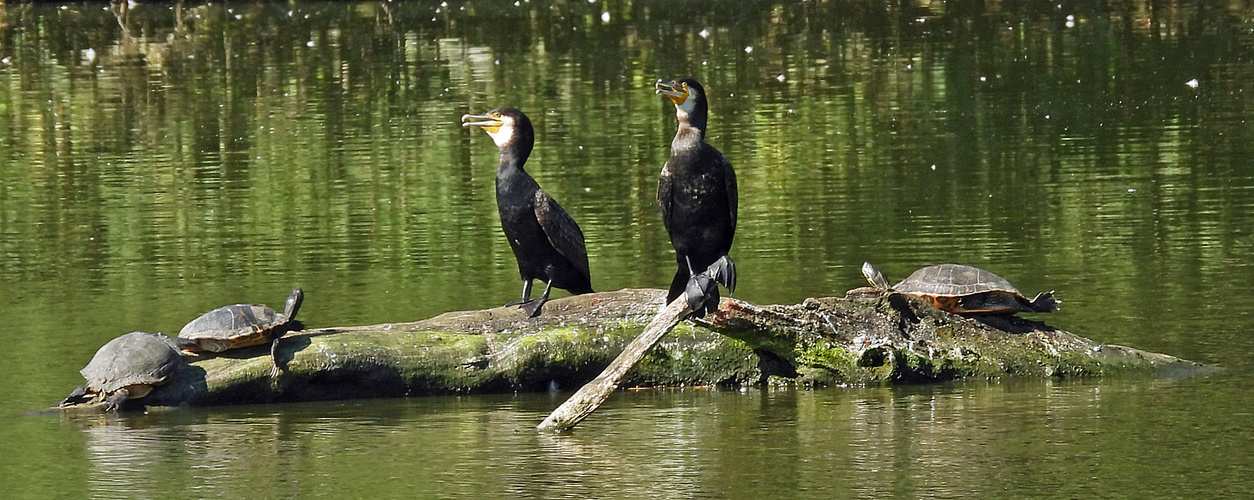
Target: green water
(185, 156)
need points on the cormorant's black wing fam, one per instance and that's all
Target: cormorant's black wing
(729, 177)
(562, 230)
(664, 187)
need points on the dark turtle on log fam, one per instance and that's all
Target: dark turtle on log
(127, 367)
(243, 325)
(963, 289)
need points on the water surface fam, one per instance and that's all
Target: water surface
(160, 163)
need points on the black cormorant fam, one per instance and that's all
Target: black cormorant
(697, 194)
(547, 242)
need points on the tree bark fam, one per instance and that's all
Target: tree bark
(867, 337)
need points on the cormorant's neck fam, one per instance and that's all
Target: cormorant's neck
(688, 136)
(513, 155)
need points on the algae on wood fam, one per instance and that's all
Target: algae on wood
(867, 337)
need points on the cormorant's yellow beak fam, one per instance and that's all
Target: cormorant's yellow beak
(490, 123)
(678, 93)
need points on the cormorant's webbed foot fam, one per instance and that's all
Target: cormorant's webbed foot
(526, 295)
(702, 289)
(533, 306)
(723, 271)
(701, 292)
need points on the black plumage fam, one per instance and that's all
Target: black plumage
(547, 242)
(697, 195)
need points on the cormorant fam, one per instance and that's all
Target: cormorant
(697, 194)
(547, 242)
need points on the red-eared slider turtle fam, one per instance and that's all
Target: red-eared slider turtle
(127, 367)
(963, 289)
(243, 325)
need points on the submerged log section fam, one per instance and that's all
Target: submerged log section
(867, 337)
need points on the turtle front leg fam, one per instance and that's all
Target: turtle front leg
(115, 400)
(274, 355)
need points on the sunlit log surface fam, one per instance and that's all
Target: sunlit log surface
(866, 337)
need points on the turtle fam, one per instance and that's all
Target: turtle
(961, 289)
(243, 325)
(127, 367)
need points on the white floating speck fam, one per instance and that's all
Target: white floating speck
(933, 166)
(89, 55)
(1070, 21)
(605, 16)
(780, 77)
(1192, 83)
(704, 33)
(748, 49)
(309, 43)
(1131, 190)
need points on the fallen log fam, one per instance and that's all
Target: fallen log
(867, 337)
(589, 397)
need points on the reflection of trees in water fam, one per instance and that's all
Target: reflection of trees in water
(1016, 438)
(209, 455)
(126, 460)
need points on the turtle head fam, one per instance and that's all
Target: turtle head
(875, 276)
(293, 303)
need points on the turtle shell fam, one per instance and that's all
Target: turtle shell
(954, 280)
(241, 325)
(964, 289)
(137, 358)
(236, 325)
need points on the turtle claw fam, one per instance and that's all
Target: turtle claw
(113, 403)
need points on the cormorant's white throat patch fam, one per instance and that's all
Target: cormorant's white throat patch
(503, 134)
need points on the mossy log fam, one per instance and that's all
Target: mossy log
(867, 337)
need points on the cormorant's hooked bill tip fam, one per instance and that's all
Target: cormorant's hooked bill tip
(677, 91)
(485, 121)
